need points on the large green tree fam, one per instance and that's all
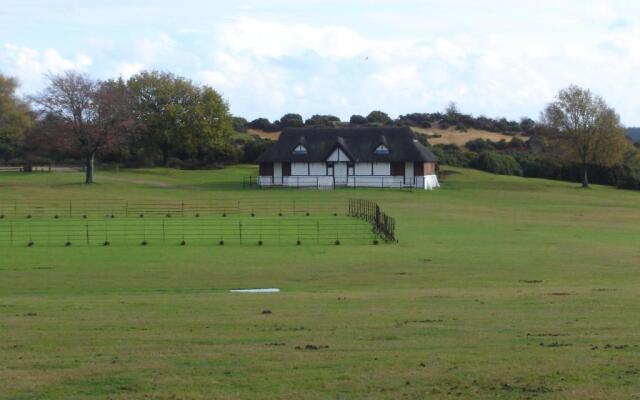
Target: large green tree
(587, 128)
(178, 117)
(15, 117)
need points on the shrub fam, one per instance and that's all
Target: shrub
(239, 124)
(450, 154)
(322, 120)
(479, 145)
(497, 163)
(357, 119)
(291, 121)
(378, 117)
(264, 125)
(253, 148)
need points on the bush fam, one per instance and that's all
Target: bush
(263, 124)
(497, 163)
(291, 121)
(378, 117)
(239, 124)
(357, 119)
(322, 120)
(479, 145)
(252, 149)
(450, 154)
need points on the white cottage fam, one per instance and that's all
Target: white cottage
(356, 157)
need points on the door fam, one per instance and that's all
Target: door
(340, 173)
(277, 173)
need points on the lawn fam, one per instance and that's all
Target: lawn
(499, 287)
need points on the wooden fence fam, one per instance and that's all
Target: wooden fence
(367, 210)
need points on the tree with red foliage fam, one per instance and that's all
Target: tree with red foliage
(92, 116)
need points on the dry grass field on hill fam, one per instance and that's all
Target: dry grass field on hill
(436, 135)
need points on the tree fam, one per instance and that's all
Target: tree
(292, 121)
(239, 124)
(587, 127)
(179, 118)
(92, 115)
(209, 125)
(15, 117)
(378, 117)
(322, 120)
(262, 124)
(527, 125)
(357, 120)
(452, 109)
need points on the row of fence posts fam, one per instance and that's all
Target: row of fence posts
(133, 209)
(90, 235)
(370, 211)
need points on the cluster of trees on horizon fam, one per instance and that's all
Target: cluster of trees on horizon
(160, 119)
(450, 118)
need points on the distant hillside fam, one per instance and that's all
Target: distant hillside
(459, 138)
(634, 133)
(434, 135)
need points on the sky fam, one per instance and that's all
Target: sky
(498, 58)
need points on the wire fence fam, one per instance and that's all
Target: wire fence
(182, 231)
(101, 208)
(106, 223)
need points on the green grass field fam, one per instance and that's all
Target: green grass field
(499, 287)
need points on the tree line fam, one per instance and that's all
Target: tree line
(159, 119)
(579, 138)
(150, 119)
(451, 118)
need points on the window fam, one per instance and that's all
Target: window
(300, 149)
(382, 149)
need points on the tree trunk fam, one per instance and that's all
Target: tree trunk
(585, 179)
(89, 168)
(165, 156)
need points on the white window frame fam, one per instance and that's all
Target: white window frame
(381, 149)
(300, 150)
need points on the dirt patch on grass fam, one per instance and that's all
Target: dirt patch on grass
(312, 347)
(145, 182)
(555, 344)
(546, 334)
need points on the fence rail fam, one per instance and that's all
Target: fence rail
(100, 208)
(95, 222)
(370, 211)
(189, 230)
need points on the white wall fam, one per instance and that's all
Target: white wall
(381, 168)
(298, 168)
(318, 169)
(277, 170)
(363, 168)
(408, 171)
(338, 155)
(376, 181)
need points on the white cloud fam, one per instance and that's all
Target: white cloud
(400, 56)
(30, 65)
(127, 69)
(274, 39)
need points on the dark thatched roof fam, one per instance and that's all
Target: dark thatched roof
(358, 143)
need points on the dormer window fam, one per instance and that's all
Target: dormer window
(382, 149)
(299, 150)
